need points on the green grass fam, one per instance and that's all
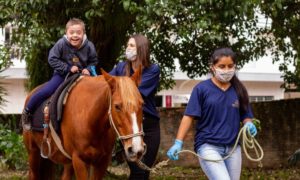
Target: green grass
(175, 173)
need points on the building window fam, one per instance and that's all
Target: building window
(158, 101)
(261, 98)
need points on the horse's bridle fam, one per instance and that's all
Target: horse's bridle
(141, 133)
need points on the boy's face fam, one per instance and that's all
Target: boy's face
(75, 35)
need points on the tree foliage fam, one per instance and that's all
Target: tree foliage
(285, 17)
(4, 63)
(186, 31)
(41, 23)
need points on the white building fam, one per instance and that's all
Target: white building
(15, 78)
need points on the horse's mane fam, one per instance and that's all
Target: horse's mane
(129, 93)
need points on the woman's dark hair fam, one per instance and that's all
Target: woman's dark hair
(237, 84)
(143, 52)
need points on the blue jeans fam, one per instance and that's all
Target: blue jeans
(44, 92)
(229, 169)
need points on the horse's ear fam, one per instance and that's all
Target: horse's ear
(137, 76)
(109, 79)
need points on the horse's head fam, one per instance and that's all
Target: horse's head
(126, 113)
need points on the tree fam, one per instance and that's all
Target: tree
(5, 62)
(285, 17)
(183, 30)
(41, 23)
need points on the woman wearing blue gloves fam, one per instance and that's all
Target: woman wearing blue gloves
(218, 104)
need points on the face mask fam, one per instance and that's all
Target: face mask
(130, 54)
(224, 76)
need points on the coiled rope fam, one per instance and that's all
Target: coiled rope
(247, 142)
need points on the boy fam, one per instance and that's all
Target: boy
(72, 53)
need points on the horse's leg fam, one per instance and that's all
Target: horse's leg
(34, 162)
(68, 172)
(80, 168)
(99, 169)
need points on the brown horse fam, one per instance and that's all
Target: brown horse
(97, 109)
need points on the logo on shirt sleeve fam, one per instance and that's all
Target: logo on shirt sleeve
(236, 104)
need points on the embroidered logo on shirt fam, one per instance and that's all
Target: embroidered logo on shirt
(236, 104)
(75, 59)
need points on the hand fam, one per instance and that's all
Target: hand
(85, 72)
(175, 149)
(251, 127)
(74, 69)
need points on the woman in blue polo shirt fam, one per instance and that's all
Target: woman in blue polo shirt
(218, 104)
(137, 53)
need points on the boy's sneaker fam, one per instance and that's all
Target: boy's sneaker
(26, 120)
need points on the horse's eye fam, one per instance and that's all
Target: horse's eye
(118, 107)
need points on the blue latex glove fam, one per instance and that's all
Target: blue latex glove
(251, 127)
(93, 71)
(172, 152)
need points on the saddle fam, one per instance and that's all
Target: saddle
(55, 104)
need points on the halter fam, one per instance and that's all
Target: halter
(141, 133)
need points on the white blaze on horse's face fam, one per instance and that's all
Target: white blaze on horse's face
(137, 140)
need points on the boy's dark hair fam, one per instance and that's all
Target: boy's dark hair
(75, 21)
(237, 84)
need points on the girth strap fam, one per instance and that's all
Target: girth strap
(58, 141)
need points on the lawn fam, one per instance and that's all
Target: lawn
(120, 172)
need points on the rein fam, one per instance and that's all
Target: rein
(141, 133)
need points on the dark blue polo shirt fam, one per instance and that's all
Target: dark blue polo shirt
(217, 114)
(147, 88)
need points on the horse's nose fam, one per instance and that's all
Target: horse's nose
(136, 152)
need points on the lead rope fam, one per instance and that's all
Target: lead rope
(248, 142)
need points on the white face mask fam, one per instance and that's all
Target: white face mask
(224, 76)
(130, 54)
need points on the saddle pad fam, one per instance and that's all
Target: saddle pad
(55, 106)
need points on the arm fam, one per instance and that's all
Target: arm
(192, 110)
(55, 61)
(92, 59)
(118, 70)
(150, 81)
(113, 72)
(184, 127)
(247, 120)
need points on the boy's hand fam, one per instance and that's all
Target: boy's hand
(74, 69)
(85, 72)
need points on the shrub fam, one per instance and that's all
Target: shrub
(12, 150)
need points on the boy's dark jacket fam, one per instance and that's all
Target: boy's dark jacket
(63, 56)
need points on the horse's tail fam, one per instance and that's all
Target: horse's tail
(48, 170)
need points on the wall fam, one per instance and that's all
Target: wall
(15, 97)
(279, 137)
